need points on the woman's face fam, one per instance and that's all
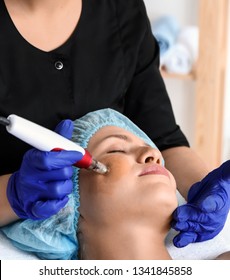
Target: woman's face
(137, 187)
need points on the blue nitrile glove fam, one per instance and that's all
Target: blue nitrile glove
(40, 188)
(205, 214)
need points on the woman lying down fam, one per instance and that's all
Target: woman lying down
(123, 214)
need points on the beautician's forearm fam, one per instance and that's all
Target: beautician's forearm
(186, 166)
(7, 215)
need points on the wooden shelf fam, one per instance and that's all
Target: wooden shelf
(190, 76)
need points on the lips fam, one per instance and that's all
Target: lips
(154, 169)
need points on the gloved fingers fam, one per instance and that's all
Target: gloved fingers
(185, 212)
(209, 234)
(213, 202)
(184, 238)
(56, 190)
(45, 209)
(51, 160)
(189, 213)
(65, 128)
(61, 159)
(188, 226)
(53, 175)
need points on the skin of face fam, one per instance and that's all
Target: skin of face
(137, 190)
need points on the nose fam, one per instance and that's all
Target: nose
(149, 154)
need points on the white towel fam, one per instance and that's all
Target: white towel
(182, 56)
(189, 37)
(178, 60)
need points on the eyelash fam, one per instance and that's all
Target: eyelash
(115, 151)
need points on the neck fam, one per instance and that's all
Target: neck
(129, 243)
(45, 24)
(35, 5)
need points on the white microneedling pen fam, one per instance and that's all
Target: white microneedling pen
(46, 140)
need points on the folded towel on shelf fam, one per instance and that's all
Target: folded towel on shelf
(189, 37)
(178, 60)
(165, 29)
(182, 56)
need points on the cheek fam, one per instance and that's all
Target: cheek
(120, 173)
(119, 168)
(103, 196)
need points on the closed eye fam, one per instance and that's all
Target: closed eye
(115, 151)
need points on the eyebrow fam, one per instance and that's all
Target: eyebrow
(122, 137)
(119, 136)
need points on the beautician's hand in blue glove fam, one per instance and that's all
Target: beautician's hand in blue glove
(40, 188)
(205, 214)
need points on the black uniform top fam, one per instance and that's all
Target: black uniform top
(110, 60)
